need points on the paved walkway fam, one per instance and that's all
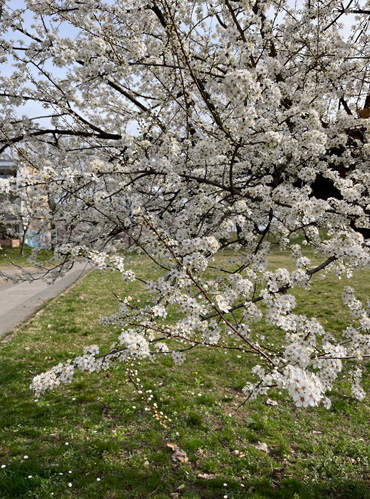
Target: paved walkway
(20, 301)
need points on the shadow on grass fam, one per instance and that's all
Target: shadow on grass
(34, 481)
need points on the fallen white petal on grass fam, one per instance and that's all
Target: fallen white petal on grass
(271, 402)
(262, 446)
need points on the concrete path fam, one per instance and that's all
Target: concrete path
(20, 301)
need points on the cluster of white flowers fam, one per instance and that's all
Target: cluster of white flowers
(298, 354)
(159, 311)
(279, 308)
(212, 334)
(63, 373)
(305, 388)
(68, 176)
(222, 303)
(242, 287)
(178, 358)
(161, 347)
(299, 278)
(352, 303)
(357, 391)
(279, 279)
(136, 344)
(4, 186)
(89, 363)
(329, 363)
(207, 244)
(99, 259)
(195, 262)
(240, 84)
(45, 381)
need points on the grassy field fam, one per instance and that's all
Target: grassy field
(93, 438)
(10, 256)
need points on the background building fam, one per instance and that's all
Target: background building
(10, 228)
(21, 221)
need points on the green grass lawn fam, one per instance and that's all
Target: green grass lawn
(94, 439)
(10, 256)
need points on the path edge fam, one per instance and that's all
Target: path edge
(8, 336)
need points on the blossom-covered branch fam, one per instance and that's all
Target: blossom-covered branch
(205, 136)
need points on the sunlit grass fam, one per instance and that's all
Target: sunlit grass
(11, 256)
